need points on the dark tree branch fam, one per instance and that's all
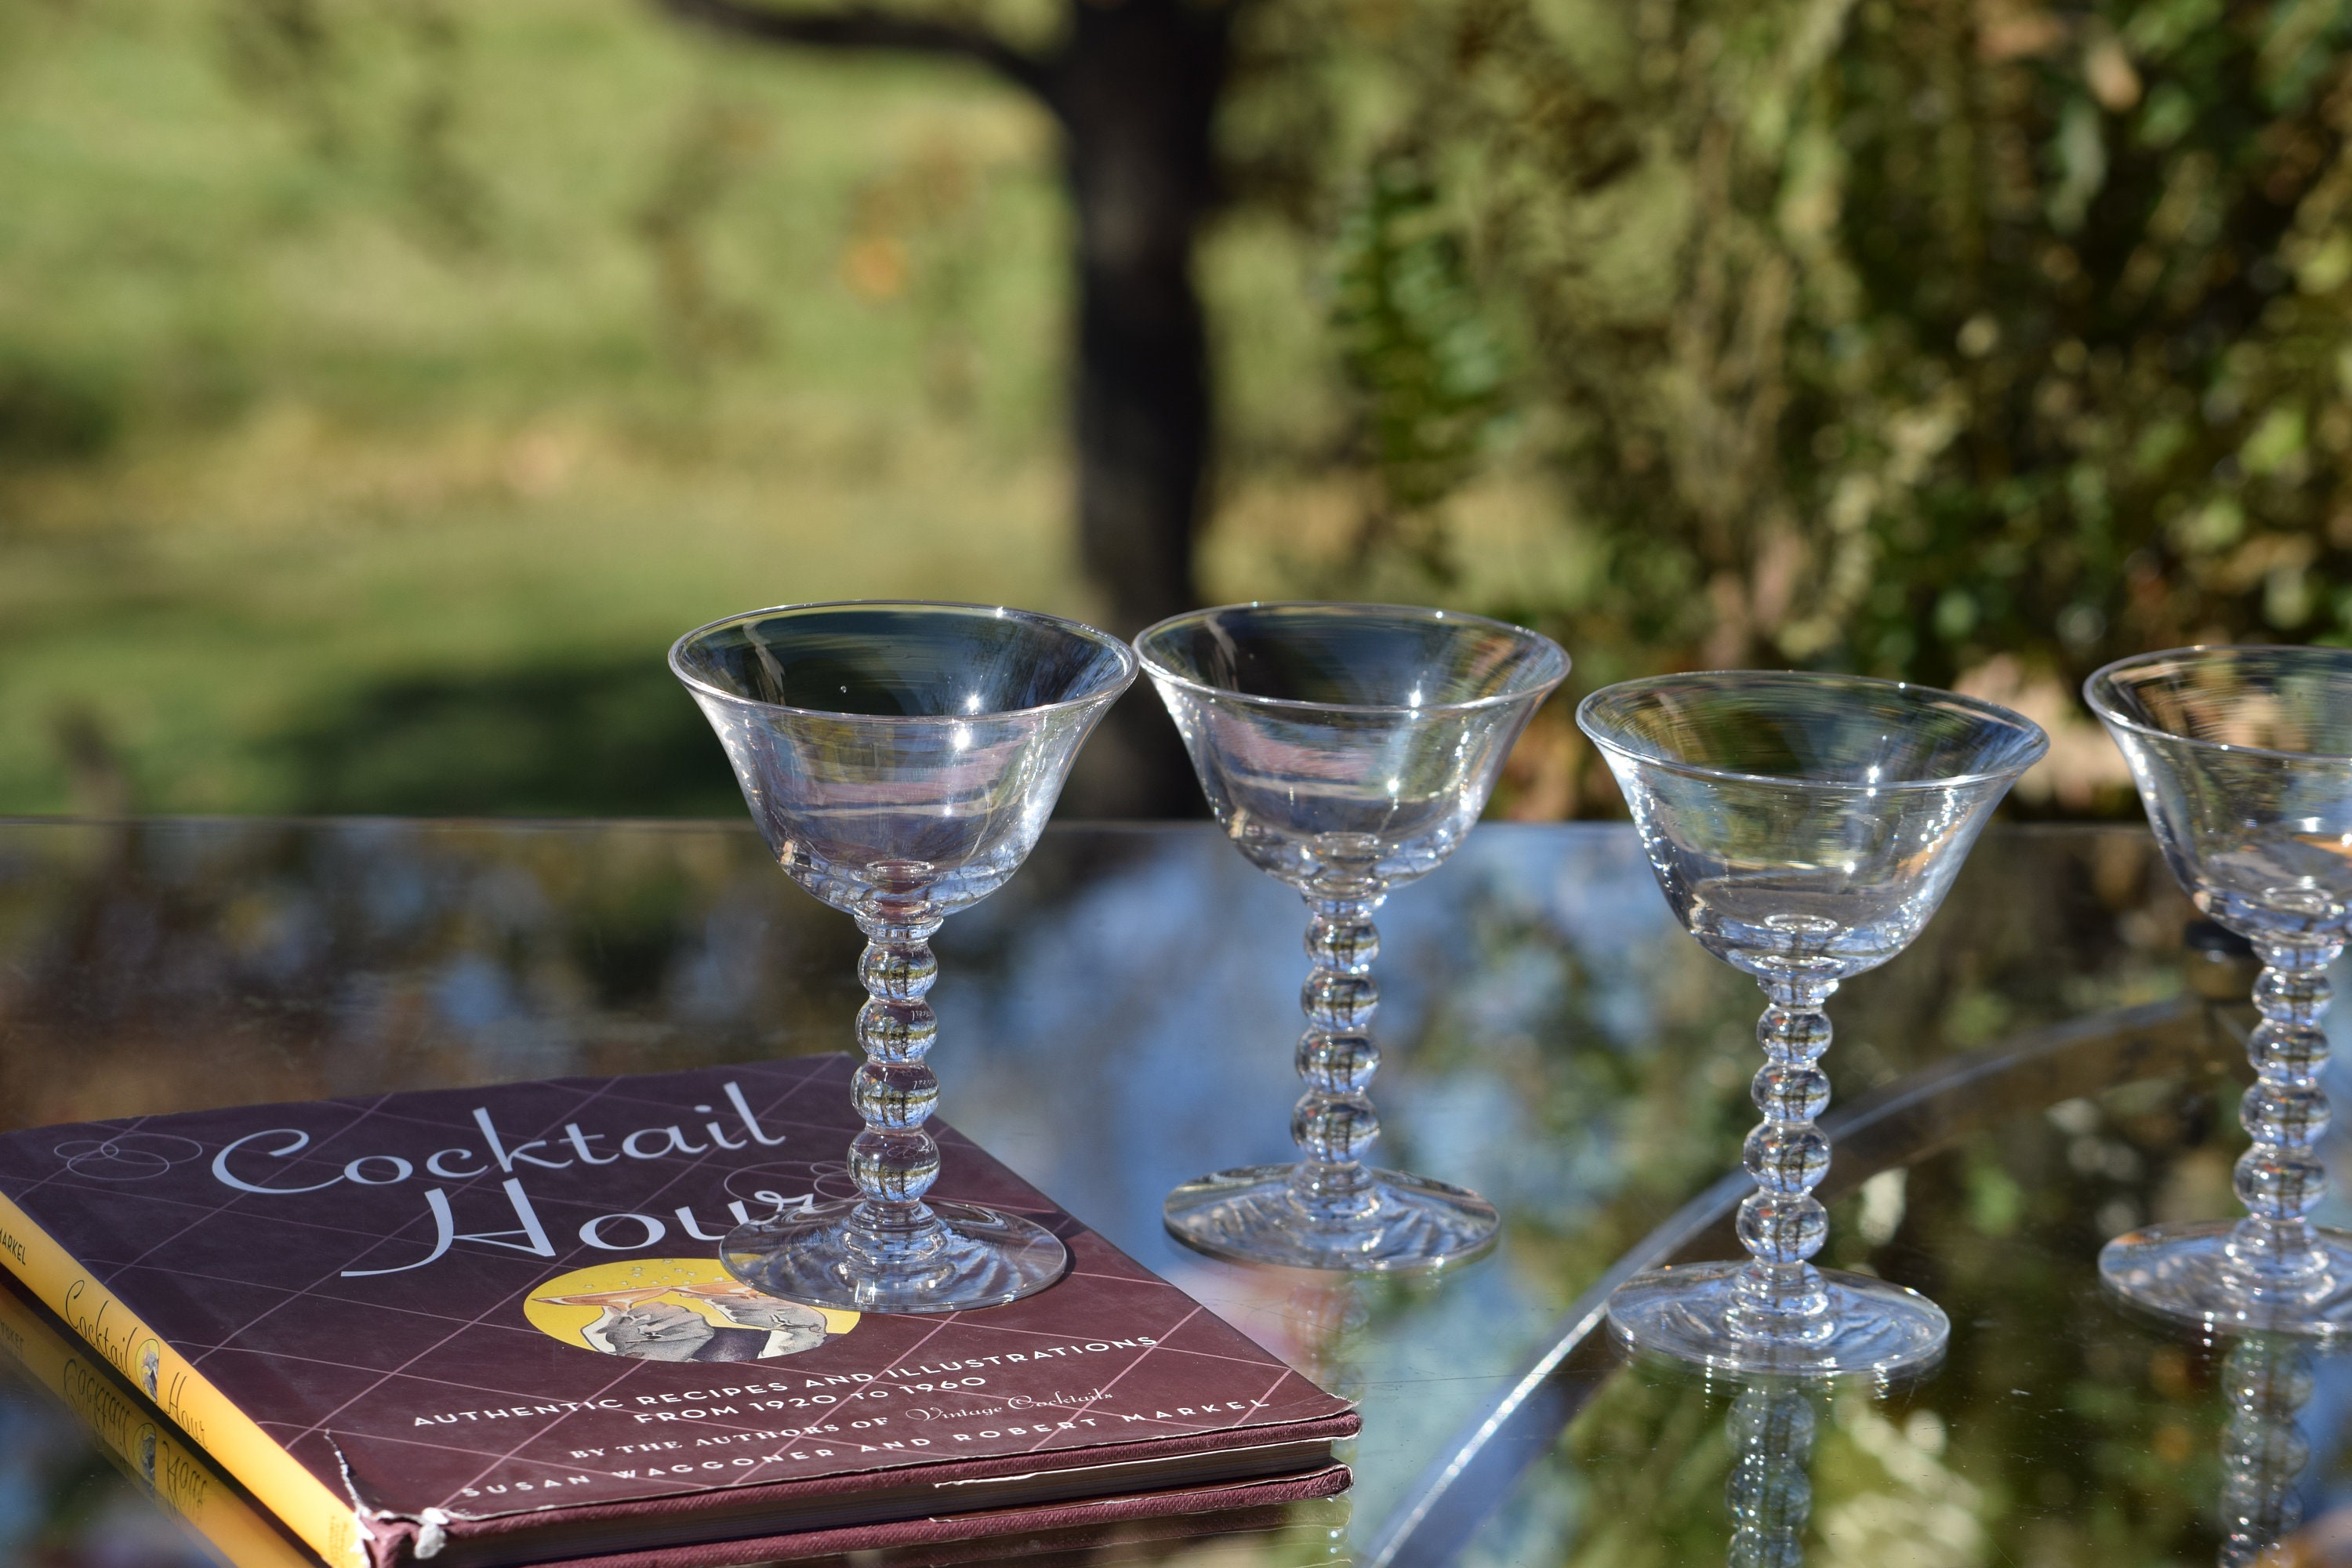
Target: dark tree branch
(870, 28)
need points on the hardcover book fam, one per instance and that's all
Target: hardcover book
(187, 1483)
(484, 1327)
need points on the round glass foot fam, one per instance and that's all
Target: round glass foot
(978, 1258)
(2183, 1271)
(1249, 1216)
(1871, 1326)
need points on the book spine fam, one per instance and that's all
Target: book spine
(327, 1523)
(142, 1443)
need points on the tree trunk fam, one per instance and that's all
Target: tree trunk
(1138, 88)
(1138, 91)
(1135, 88)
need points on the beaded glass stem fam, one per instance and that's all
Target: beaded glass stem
(2280, 1179)
(1346, 749)
(901, 759)
(1781, 1224)
(2244, 759)
(1334, 1124)
(1804, 828)
(894, 1162)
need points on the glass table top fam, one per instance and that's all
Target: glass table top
(2050, 1064)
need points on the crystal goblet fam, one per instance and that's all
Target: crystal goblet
(1804, 828)
(1346, 749)
(2244, 759)
(900, 760)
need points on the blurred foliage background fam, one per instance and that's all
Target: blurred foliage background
(383, 383)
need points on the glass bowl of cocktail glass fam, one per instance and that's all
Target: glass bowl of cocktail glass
(1804, 828)
(1345, 749)
(2244, 759)
(901, 759)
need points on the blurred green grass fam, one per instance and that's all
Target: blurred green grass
(367, 431)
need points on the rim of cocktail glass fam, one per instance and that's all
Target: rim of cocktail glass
(1453, 618)
(2218, 653)
(1728, 679)
(1128, 663)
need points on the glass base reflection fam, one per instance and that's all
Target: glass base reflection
(1692, 1312)
(827, 1255)
(1395, 1223)
(2193, 1273)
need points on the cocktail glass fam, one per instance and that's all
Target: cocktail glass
(1346, 749)
(2243, 759)
(1804, 828)
(900, 760)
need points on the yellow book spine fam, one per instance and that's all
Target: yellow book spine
(181, 1477)
(329, 1524)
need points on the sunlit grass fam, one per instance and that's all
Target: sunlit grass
(195, 635)
(727, 328)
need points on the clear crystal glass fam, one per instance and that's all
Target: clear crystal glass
(2243, 759)
(900, 760)
(1346, 749)
(1804, 828)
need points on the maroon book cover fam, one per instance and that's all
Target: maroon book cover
(487, 1326)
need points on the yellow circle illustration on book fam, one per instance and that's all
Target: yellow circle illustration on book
(675, 1308)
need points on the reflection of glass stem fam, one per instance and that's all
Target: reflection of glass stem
(1781, 1224)
(2267, 1379)
(1334, 1124)
(1770, 1492)
(894, 1162)
(1324, 1315)
(2274, 1252)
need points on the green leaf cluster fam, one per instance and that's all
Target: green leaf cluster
(1888, 335)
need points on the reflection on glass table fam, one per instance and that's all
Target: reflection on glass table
(2042, 1071)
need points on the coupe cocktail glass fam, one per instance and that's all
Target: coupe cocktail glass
(2243, 759)
(1804, 828)
(901, 759)
(1346, 749)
